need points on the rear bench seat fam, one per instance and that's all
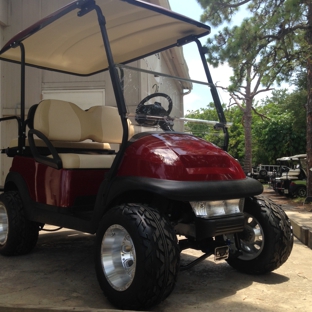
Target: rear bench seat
(63, 127)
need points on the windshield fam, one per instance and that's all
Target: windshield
(159, 100)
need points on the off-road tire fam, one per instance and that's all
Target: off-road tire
(155, 254)
(262, 173)
(18, 235)
(277, 238)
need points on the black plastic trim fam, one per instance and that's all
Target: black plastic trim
(55, 161)
(186, 190)
(219, 226)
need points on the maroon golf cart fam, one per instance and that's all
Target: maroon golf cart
(137, 172)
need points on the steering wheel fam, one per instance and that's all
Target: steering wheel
(149, 108)
(143, 111)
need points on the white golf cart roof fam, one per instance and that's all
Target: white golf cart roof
(287, 158)
(67, 42)
(300, 156)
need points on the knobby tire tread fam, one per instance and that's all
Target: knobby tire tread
(278, 237)
(161, 255)
(23, 234)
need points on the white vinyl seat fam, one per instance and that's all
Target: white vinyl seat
(61, 124)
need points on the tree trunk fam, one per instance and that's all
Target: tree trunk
(309, 108)
(247, 122)
(248, 143)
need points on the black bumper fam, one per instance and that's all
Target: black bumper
(187, 190)
(223, 225)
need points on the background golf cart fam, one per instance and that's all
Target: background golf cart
(291, 182)
(287, 163)
(265, 173)
(298, 186)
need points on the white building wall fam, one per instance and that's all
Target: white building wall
(3, 12)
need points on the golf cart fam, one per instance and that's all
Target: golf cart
(136, 172)
(298, 186)
(285, 165)
(296, 172)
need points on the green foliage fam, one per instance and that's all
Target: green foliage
(248, 47)
(236, 131)
(277, 138)
(284, 133)
(202, 130)
(266, 49)
(270, 41)
(217, 12)
(278, 128)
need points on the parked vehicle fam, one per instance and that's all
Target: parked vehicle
(296, 174)
(285, 165)
(298, 186)
(265, 173)
(164, 190)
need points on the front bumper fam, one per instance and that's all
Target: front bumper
(187, 190)
(205, 228)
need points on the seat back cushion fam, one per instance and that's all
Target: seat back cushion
(64, 121)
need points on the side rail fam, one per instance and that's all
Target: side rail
(21, 132)
(11, 118)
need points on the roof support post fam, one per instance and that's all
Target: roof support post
(119, 96)
(214, 94)
(22, 125)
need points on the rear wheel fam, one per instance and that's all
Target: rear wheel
(18, 235)
(137, 256)
(301, 191)
(267, 239)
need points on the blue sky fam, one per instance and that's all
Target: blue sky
(191, 9)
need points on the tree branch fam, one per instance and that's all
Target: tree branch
(234, 5)
(262, 116)
(264, 90)
(285, 31)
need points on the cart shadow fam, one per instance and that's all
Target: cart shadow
(211, 281)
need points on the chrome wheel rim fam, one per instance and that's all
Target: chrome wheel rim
(4, 224)
(118, 257)
(252, 238)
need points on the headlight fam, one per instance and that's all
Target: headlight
(208, 209)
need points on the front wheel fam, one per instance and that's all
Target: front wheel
(137, 256)
(267, 239)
